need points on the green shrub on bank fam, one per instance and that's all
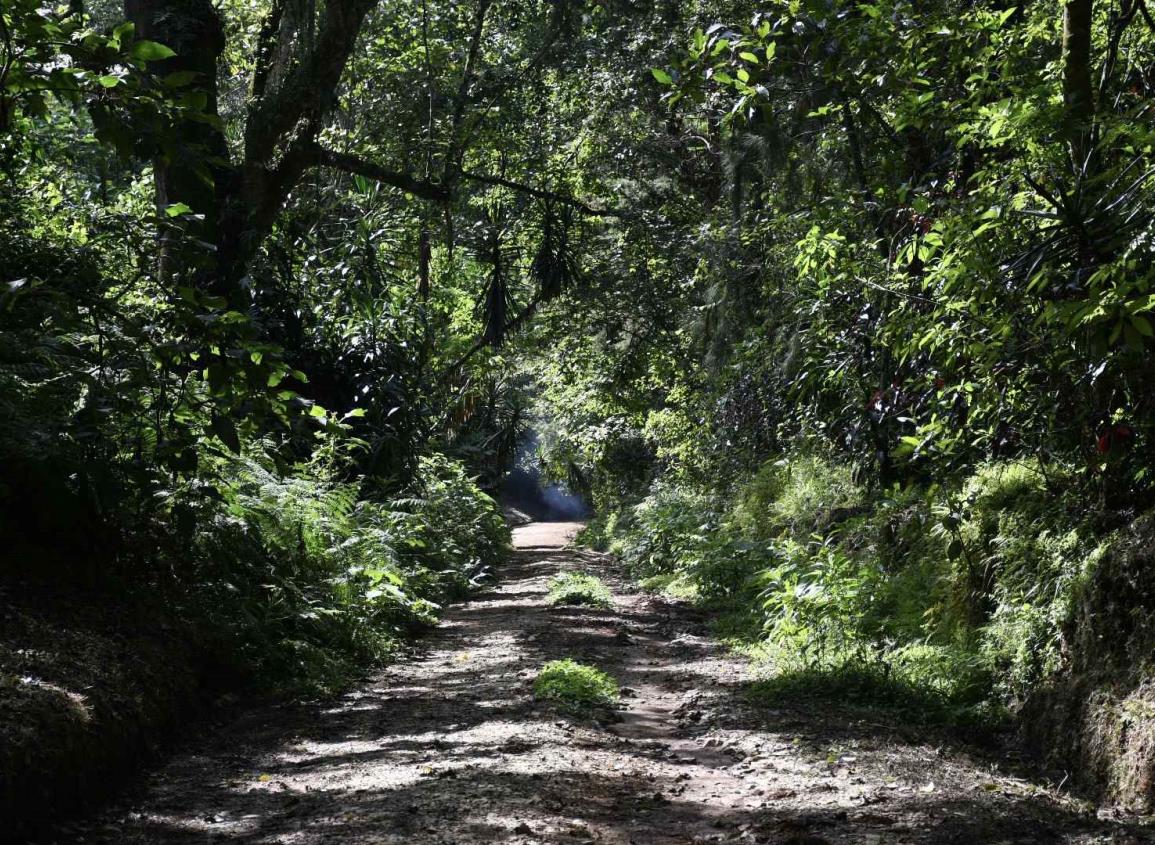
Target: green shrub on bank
(302, 581)
(932, 698)
(958, 592)
(575, 687)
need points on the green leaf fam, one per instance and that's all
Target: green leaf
(108, 81)
(180, 78)
(662, 76)
(122, 32)
(150, 51)
(224, 428)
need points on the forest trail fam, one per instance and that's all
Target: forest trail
(450, 747)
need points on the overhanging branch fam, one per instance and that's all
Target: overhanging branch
(359, 166)
(541, 194)
(437, 191)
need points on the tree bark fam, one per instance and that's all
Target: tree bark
(192, 167)
(1078, 93)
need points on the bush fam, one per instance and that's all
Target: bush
(960, 592)
(301, 582)
(578, 588)
(665, 529)
(880, 684)
(574, 687)
(802, 495)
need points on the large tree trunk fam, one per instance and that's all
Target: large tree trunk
(1078, 96)
(192, 167)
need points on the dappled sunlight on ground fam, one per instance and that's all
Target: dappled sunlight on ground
(450, 746)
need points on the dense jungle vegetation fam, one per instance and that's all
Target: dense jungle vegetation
(840, 315)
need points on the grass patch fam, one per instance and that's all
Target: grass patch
(575, 687)
(877, 686)
(579, 588)
(673, 584)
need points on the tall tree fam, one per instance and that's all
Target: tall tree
(1078, 96)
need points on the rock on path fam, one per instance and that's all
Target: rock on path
(450, 747)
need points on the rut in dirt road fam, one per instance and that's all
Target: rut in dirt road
(450, 747)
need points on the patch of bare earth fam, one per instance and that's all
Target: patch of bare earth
(451, 747)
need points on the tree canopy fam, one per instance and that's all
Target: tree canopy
(840, 311)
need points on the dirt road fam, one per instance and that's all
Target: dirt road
(450, 747)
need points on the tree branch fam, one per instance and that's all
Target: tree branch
(460, 136)
(452, 158)
(309, 88)
(1146, 14)
(436, 191)
(269, 28)
(410, 184)
(541, 194)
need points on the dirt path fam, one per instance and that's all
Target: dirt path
(450, 747)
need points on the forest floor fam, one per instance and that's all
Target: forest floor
(449, 746)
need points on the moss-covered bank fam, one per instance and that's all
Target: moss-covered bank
(1095, 718)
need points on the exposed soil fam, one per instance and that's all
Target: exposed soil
(450, 747)
(91, 682)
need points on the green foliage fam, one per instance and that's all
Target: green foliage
(575, 688)
(306, 581)
(58, 53)
(933, 687)
(578, 588)
(804, 495)
(954, 598)
(841, 318)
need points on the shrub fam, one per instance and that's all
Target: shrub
(575, 687)
(666, 528)
(960, 592)
(878, 683)
(578, 588)
(801, 495)
(301, 581)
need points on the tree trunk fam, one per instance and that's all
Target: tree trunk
(1078, 96)
(192, 167)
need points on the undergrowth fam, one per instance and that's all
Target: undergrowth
(575, 688)
(578, 588)
(947, 602)
(301, 581)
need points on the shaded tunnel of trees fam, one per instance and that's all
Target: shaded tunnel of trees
(835, 316)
